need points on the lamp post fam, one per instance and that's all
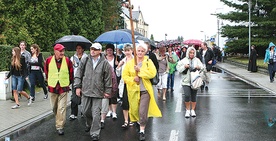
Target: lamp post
(249, 27)
(166, 36)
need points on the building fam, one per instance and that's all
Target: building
(139, 23)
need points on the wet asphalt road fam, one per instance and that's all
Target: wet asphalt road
(230, 111)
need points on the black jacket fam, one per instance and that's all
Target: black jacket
(209, 55)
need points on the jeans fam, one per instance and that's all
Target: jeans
(271, 72)
(17, 83)
(34, 76)
(170, 81)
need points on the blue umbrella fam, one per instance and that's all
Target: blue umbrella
(115, 37)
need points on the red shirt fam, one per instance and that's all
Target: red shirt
(58, 89)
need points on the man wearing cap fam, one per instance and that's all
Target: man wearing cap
(93, 80)
(59, 75)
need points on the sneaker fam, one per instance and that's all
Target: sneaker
(193, 114)
(206, 88)
(114, 115)
(60, 132)
(30, 100)
(72, 117)
(187, 114)
(46, 96)
(109, 114)
(15, 106)
(142, 136)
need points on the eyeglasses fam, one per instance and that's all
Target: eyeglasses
(94, 49)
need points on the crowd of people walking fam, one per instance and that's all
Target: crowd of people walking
(89, 77)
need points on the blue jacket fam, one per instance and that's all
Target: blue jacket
(267, 52)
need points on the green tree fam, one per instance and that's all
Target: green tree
(111, 14)
(263, 23)
(85, 18)
(35, 21)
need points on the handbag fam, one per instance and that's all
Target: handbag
(196, 80)
(155, 79)
(76, 99)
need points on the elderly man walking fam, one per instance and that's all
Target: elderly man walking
(93, 80)
(59, 75)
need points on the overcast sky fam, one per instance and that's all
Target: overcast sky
(185, 18)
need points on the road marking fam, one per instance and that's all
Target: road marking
(174, 135)
(178, 103)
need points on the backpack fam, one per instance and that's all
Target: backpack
(155, 79)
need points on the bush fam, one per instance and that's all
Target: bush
(5, 52)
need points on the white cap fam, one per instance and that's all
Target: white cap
(96, 46)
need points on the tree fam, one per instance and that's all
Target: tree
(111, 14)
(263, 23)
(85, 18)
(35, 21)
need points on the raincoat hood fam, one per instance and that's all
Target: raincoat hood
(270, 45)
(188, 51)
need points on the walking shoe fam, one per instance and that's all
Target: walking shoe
(30, 101)
(87, 129)
(15, 106)
(187, 114)
(201, 87)
(72, 117)
(130, 124)
(46, 96)
(102, 125)
(193, 114)
(114, 115)
(60, 132)
(109, 114)
(95, 138)
(142, 136)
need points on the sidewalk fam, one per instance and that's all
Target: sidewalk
(15, 122)
(257, 79)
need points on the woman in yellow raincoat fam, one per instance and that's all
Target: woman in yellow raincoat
(142, 103)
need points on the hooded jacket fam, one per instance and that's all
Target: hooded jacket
(267, 52)
(194, 62)
(133, 90)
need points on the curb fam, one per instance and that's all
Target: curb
(27, 126)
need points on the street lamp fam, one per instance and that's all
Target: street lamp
(249, 26)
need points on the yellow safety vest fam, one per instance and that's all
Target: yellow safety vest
(55, 76)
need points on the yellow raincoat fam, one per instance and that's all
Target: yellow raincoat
(147, 71)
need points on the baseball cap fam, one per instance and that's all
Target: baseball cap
(96, 46)
(59, 47)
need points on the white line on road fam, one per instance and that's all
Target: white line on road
(178, 103)
(174, 135)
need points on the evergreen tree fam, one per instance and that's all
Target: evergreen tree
(263, 23)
